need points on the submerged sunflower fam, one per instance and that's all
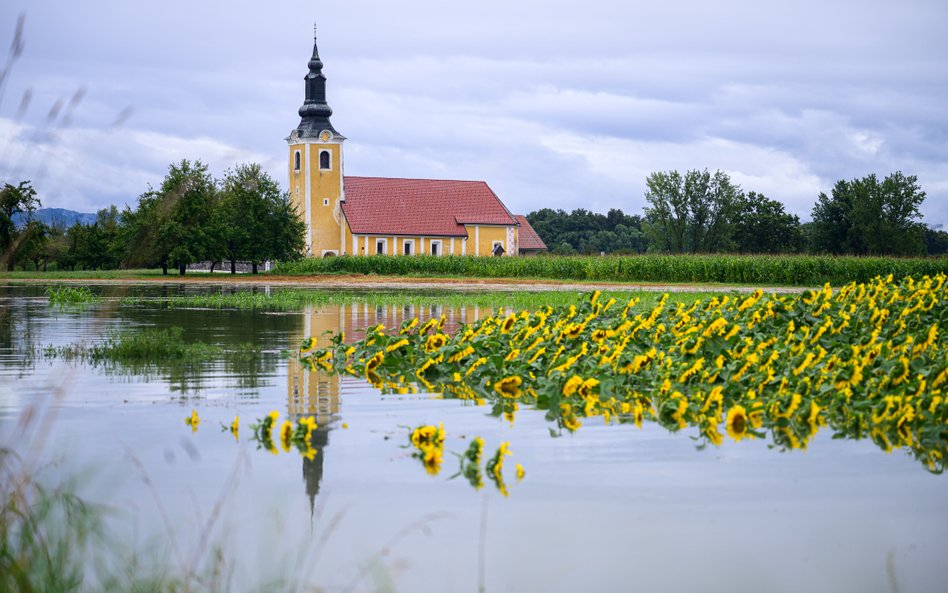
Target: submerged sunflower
(308, 345)
(737, 422)
(509, 387)
(374, 362)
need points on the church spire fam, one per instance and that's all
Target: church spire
(315, 111)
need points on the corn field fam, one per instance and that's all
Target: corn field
(731, 269)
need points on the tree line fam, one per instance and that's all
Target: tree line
(701, 212)
(189, 218)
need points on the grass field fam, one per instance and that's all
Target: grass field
(82, 274)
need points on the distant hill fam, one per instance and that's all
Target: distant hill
(56, 217)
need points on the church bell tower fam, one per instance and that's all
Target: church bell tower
(316, 180)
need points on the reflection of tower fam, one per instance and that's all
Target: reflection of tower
(316, 392)
(313, 469)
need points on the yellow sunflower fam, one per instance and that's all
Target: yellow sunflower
(571, 385)
(374, 362)
(509, 387)
(435, 341)
(737, 422)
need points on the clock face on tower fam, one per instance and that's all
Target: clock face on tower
(325, 135)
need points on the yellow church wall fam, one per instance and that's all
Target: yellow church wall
(325, 186)
(395, 244)
(482, 238)
(347, 241)
(297, 182)
(324, 191)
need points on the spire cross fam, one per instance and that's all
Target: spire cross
(314, 29)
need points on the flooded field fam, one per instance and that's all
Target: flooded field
(611, 507)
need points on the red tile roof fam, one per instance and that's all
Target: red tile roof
(429, 207)
(529, 239)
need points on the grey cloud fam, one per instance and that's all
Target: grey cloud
(553, 104)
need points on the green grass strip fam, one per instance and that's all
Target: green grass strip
(296, 299)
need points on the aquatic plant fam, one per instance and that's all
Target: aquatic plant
(66, 295)
(148, 345)
(296, 299)
(868, 360)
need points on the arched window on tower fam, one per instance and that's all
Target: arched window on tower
(324, 159)
(296, 161)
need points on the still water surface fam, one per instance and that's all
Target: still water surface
(609, 508)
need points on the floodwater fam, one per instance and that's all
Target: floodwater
(608, 508)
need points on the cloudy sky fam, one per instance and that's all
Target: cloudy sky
(554, 104)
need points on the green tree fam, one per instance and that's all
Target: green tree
(98, 246)
(936, 241)
(589, 232)
(690, 213)
(139, 233)
(188, 195)
(55, 249)
(14, 199)
(761, 225)
(255, 219)
(869, 217)
(172, 225)
(31, 243)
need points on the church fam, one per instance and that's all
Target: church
(348, 215)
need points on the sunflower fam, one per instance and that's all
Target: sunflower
(508, 323)
(286, 435)
(435, 341)
(374, 378)
(432, 457)
(714, 437)
(586, 389)
(308, 345)
(571, 385)
(737, 422)
(193, 420)
(598, 335)
(509, 387)
(573, 330)
(396, 345)
(374, 362)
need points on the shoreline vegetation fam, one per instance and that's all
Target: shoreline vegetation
(733, 270)
(295, 299)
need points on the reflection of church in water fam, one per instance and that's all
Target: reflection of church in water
(317, 393)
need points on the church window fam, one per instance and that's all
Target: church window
(436, 248)
(324, 159)
(408, 247)
(296, 161)
(380, 246)
(325, 201)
